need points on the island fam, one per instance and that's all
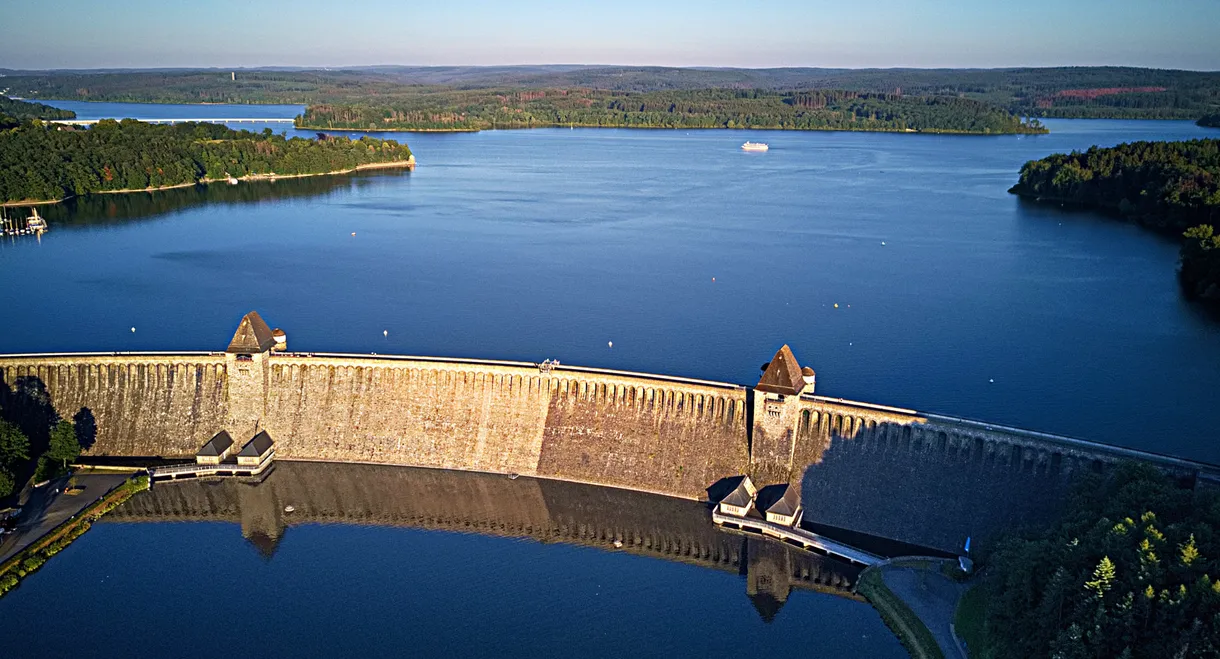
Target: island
(46, 162)
(1171, 187)
(483, 109)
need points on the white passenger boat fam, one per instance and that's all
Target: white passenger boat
(754, 146)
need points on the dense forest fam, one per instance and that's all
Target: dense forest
(13, 112)
(1088, 92)
(1170, 186)
(1210, 120)
(45, 162)
(1131, 571)
(708, 108)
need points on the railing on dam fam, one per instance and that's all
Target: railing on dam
(389, 358)
(558, 368)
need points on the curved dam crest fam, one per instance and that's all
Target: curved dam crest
(899, 474)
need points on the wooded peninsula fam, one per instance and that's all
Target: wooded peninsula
(43, 162)
(1172, 187)
(482, 109)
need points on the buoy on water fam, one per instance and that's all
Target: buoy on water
(133, 330)
(385, 333)
(611, 344)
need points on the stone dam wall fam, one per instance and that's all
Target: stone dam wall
(893, 473)
(667, 435)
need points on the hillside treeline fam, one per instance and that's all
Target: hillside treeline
(709, 108)
(1170, 186)
(1131, 571)
(13, 112)
(39, 162)
(1084, 91)
(1210, 120)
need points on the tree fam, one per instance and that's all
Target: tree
(1126, 572)
(14, 451)
(14, 446)
(64, 447)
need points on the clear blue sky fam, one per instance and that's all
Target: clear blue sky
(746, 33)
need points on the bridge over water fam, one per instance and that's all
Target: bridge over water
(894, 473)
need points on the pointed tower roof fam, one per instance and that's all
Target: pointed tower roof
(252, 335)
(783, 374)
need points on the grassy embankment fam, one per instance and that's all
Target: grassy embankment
(33, 557)
(899, 617)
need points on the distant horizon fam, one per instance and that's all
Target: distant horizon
(702, 67)
(927, 34)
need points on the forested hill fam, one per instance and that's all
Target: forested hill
(1170, 186)
(42, 162)
(708, 108)
(1210, 121)
(13, 112)
(1086, 91)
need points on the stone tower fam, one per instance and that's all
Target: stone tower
(777, 412)
(247, 373)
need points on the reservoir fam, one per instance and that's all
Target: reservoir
(896, 265)
(381, 561)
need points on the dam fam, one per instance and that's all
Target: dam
(898, 474)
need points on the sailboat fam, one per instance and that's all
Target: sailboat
(34, 223)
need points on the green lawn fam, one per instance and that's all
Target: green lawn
(969, 621)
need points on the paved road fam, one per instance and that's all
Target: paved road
(47, 507)
(932, 596)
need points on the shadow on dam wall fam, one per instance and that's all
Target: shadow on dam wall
(608, 519)
(915, 490)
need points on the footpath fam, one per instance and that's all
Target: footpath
(918, 602)
(44, 508)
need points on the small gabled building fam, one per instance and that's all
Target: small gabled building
(740, 501)
(257, 450)
(786, 510)
(216, 450)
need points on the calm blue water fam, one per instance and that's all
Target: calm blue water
(552, 243)
(199, 589)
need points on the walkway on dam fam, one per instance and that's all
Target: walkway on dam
(807, 540)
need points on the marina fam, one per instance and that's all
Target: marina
(34, 225)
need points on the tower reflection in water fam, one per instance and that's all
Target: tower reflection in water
(546, 510)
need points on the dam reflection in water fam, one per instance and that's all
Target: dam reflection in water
(379, 560)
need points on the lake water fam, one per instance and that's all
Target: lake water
(370, 564)
(693, 257)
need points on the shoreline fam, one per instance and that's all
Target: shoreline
(905, 131)
(408, 164)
